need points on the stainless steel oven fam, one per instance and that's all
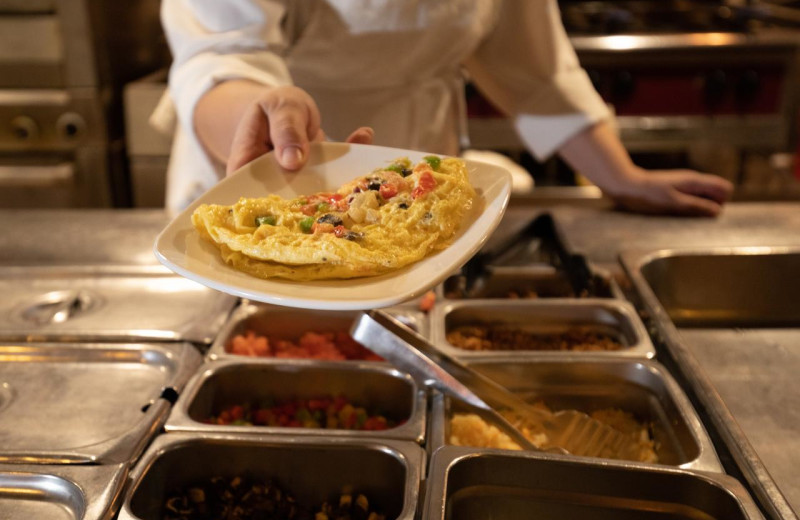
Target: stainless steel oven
(62, 64)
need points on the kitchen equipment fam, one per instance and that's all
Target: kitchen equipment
(62, 67)
(573, 431)
(241, 381)
(91, 492)
(87, 403)
(277, 322)
(644, 389)
(469, 484)
(107, 303)
(613, 318)
(313, 470)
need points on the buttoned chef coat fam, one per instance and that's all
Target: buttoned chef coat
(395, 65)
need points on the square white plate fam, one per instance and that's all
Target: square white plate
(180, 248)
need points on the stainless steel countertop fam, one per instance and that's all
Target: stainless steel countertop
(756, 396)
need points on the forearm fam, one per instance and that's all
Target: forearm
(598, 154)
(219, 112)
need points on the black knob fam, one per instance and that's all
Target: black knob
(24, 128)
(623, 86)
(715, 85)
(748, 86)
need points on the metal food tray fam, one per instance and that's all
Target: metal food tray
(615, 317)
(269, 320)
(376, 386)
(499, 282)
(61, 492)
(108, 303)
(729, 318)
(313, 469)
(468, 484)
(641, 387)
(87, 403)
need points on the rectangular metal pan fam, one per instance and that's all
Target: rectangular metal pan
(87, 403)
(478, 484)
(522, 282)
(290, 324)
(108, 303)
(610, 316)
(746, 287)
(312, 469)
(643, 388)
(61, 492)
(729, 318)
(375, 386)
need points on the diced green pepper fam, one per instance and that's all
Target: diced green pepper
(269, 220)
(434, 161)
(323, 206)
(306, 224)
(394, 168)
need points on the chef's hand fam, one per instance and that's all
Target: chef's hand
(598, 154)
(678, 192)
(284, 119)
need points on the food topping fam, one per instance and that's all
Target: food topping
(471, 430)
(504, 337)
(323, 412)
(246, 498)
(311, 345)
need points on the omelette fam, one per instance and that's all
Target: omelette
(379, 222)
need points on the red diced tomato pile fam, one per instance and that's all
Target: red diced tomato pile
(333, 346)
(323, 412)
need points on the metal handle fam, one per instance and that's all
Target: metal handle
(36, 176)
(391, 339)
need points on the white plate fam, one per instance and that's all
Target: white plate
(180, 248)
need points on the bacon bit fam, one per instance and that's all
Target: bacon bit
(427, 301)
(425, 184)
(322, 228)
(388, 191)
(339, 231)
(309, 209)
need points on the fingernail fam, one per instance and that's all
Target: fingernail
(291, 156)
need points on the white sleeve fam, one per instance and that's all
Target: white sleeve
(529, 69)
(213, 40)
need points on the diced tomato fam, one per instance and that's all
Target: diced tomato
(388, 191)
(339, 231)
(309, 209)
(237, 412)
(426, 184)
(335, 196)
(322, 228)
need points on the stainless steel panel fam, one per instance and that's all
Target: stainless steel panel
(615, 317)
(744, 378)
(61, 492)
(313, 470)
(643, 388)
(744, 287)
(105, 303)
(71, 404)
(480, 484)
(273, 321)
(229, 382)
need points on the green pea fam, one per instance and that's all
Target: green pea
(269, 220)
(306, 224)
(323, 206)
(433, 161)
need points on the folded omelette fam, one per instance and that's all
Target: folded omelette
(379, 222)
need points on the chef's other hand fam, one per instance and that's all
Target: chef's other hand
(284, 119)
(677, 192)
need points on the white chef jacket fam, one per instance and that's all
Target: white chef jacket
(395, 65)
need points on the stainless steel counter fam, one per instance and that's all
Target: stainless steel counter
(753, 374)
